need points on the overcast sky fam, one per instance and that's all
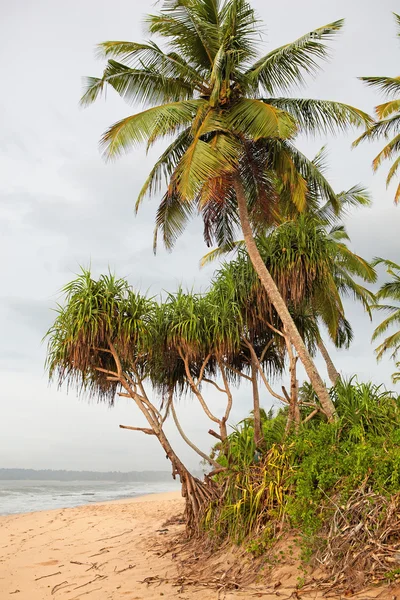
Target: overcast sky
(61, 206)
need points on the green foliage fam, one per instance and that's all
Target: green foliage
(387, 124)
(389, 291)
(208, 86)
(302, 478)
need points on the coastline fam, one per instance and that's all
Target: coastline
(113, 551)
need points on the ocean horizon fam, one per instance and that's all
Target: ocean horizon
(23, 496)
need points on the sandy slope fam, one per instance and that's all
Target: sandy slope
(100, 552)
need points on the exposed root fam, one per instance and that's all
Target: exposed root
(198, 496)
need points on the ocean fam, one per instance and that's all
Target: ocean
(22, 496)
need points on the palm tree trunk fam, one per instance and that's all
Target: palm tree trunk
(280, 306)
(334, 375)
(258, 436)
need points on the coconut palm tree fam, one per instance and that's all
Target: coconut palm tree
(314, 269)
(388, 123)
(346, 267)
(233, 133)
(389, 291)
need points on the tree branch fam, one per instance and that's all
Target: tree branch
(143, 429)
(215, 434)
(196, 390)
(257, 362)
(236, 371)
(215, 385)
(311, 415)
(184, 436)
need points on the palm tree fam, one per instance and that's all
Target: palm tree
(388, 123)
(233, 134)
(389, 291)
(344, 265)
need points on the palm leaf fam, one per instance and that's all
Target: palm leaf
(393, 170)
(387, 85)
(150, 56)
(165, 166)
(171, 218)
(385, 110)
(150, 124)
(316, 116)
(219, 252)
(392, 147)
(380, 129)
(188, 31)
(285, 66)
(256, 120)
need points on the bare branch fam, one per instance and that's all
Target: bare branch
(196, 390)
(143, 429)
(264, 352)
(113, 373)
(215, 385)
(236, 371)
(203, 366)
(184, 436)
(227, 391)
(257, 362)
(215, 434)
(311, 415)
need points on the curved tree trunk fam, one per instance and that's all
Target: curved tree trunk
(280, 306)
(333, 374)
(258, 436)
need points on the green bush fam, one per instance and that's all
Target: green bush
(301, 479)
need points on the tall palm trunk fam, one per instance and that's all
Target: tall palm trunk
(280, 306)
(333, 374)
(258, 436)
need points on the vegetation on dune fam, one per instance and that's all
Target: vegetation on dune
(233, 155)
(308, 482)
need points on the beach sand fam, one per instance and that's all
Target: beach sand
(104, 551)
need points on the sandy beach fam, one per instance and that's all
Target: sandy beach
(107, 551)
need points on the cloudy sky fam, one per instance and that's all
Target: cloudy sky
(61, 207)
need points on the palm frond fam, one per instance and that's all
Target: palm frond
(150, 124)
(287, 65)
(316, 182)
(393, 170)
(203, 161)
(220, 252)
(149, 56)
(165, 166)
(397, 19)
(388, 108)
(147, 86)
(256, 120)
(172, 217)
(391, 148)
(387, 85)
(188, 31)
(321, 116)
(380, 129)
